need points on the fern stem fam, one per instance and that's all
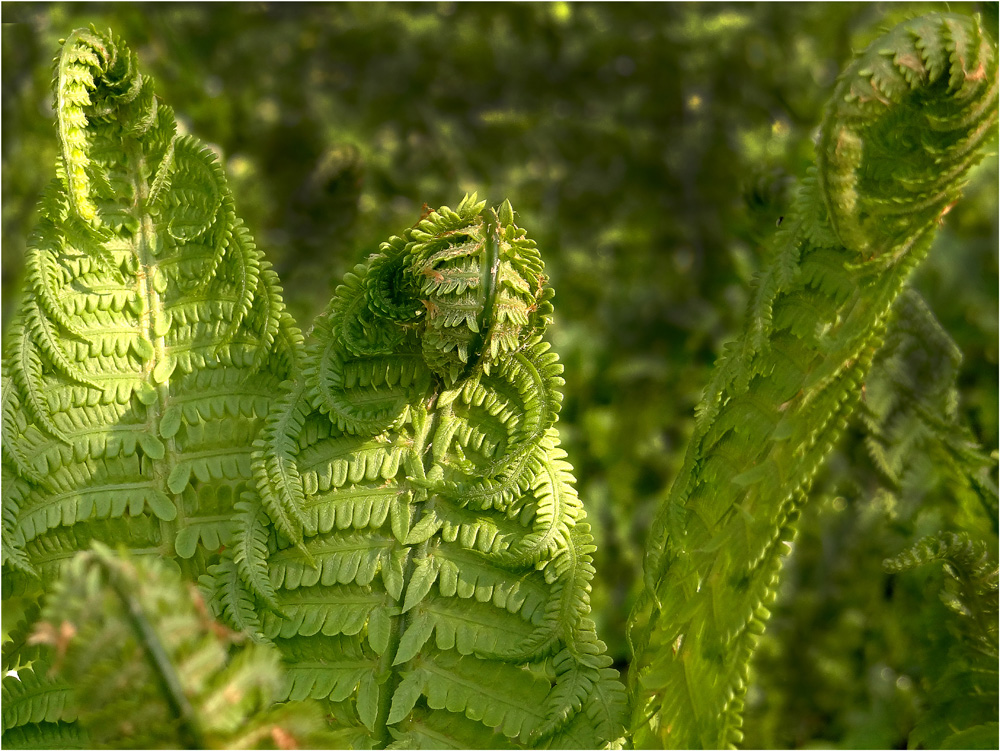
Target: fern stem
(487, 288)
(151, 311)
(391, 676)
(188, 730)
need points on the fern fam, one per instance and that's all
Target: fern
(910, 410)
(967, 689)
(424, 563)
(390, 507)
(905, 124)
(129, 650)
(151, 339)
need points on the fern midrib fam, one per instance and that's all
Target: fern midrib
(390, 676)
(148, 315)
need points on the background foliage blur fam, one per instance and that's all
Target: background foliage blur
(650, 149)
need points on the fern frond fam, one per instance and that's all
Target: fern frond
(911, 409)
(148, 352)
(230, 600)
(906, 122)
(967, 689)
(26, 371)
(14, 424)
(428, 555)
(250, 549)
(281, 487)
(972, 576)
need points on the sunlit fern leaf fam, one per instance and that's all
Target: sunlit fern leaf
(150, 342)
(131, 651)
(906, 122)
(427, 552)
(32, 697)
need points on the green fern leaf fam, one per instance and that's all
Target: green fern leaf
(67, 735)
(31, 697)
(151, 341)
(152, 336)
(427, 552)
(903, 127)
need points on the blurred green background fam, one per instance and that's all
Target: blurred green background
(649, 149)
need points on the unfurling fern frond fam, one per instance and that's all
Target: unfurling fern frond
(429, 567)
(905, 124)
(150, 343)
(130, 652)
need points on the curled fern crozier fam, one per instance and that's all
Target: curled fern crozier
(418, 551)
(907, 120)
(151, 338)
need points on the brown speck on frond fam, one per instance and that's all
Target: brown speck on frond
(433, 273)
(910, 60)
(944, 212)
(425, 211)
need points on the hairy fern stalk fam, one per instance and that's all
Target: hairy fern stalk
(905, 124)
(149, 343)
(418, 552)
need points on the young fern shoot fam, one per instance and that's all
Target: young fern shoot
(151, 337)
(907, 121)
(417, 551)
(388, 503)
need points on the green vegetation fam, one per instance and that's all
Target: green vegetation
(415, 430)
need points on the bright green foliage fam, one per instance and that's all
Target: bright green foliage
(419, 553)
(411, 540)
(905, 124)
(148, 669)
(150, 339)
(910, 410)
(850, 634)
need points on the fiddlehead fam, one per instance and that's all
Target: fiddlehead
(427, 559)
(151, 339)
(907, 121)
